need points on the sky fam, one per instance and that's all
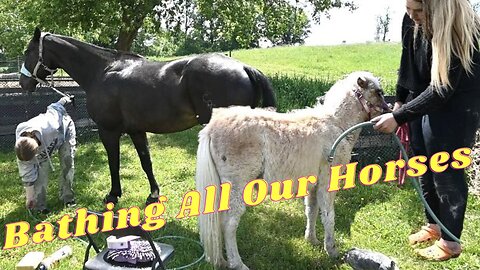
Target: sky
(358, 26)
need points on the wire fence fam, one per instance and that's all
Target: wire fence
(10, 66)
(17, 106)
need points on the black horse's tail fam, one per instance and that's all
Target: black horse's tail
(263, 87)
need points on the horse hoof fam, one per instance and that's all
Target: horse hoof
(313, 240)
(240, 266)
(110, 199)
(151, 200)
(333, 253)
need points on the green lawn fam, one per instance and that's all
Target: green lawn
(325, 62)
(270, 235)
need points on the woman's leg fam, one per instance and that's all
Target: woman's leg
(446, 132)
(426, 181)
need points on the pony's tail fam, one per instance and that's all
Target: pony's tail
(209, 224)
(262, 86)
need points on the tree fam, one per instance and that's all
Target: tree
(284, 24)
(323, 6)
(383, 26)
(153, 41)
(15, 32)
(108, 22)
(133, 13)
(208, 24)
(227, 24)
(178, 16)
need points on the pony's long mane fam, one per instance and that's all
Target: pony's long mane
(341, 93)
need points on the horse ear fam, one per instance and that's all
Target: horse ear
(36, 34)
(362, 82)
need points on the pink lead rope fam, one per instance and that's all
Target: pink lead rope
(403, 135)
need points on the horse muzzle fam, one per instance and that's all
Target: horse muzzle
(386, 107)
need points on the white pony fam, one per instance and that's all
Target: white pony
(242, 144)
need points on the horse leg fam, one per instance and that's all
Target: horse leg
(326, 201)
(111, 142)
(230, 221)
(141, 145)
(328, 219)
(311, 211)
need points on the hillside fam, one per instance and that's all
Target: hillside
(326, 63)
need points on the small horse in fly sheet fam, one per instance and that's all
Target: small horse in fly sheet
(240, 144)
(126, 93)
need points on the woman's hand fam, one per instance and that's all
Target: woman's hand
(385, 123)
(397, 105)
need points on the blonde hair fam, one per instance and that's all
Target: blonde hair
(26, 148)
(454, 29)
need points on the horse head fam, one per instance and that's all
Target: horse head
(360, 94)
(370, 95)
(36, 67)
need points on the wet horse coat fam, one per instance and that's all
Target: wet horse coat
(126, 93)
(240, 144)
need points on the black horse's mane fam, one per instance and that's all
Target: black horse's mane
(106, 52)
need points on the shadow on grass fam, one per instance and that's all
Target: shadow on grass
(92, 161)
(187, 140)
(349, 202)
(263, 229)
(413, 210)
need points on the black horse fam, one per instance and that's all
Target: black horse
(126, 93)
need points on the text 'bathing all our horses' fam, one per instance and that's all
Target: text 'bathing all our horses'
(240, 144)
(126, 93)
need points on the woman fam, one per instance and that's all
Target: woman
(438, 95)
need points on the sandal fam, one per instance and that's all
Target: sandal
(437, 252)
(424, 235)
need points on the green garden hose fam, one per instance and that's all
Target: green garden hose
(405, 157)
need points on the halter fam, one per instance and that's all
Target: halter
(367, 106)
(39, 64)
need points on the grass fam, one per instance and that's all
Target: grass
(270, 235)
(327, 63)
(323, 61)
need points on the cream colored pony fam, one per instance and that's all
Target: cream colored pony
(242, 144)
